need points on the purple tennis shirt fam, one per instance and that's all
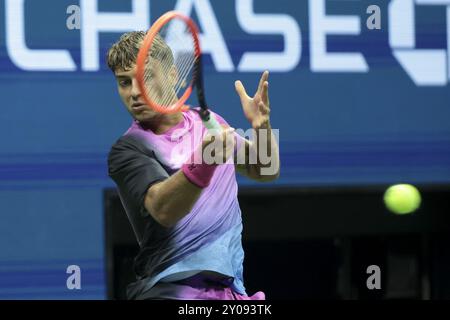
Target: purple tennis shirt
(208, 238)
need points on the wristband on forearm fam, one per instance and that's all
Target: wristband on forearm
(199, 174)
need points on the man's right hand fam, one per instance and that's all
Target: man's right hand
(218, 147)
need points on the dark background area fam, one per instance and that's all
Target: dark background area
(317, 244)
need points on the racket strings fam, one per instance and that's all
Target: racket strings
(183, 49)
(185, 71)
(172, 76)
(157, 68)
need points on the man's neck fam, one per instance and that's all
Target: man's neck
(162, 123)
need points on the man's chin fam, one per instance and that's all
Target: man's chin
(146, 115)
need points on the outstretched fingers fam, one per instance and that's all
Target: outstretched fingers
(240, 90)
(264, 78)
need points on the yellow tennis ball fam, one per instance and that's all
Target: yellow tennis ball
(402, 198)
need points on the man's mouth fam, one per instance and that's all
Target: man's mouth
(138, 106)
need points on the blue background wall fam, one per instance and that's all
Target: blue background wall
(336, 128)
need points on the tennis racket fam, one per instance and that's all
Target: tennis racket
(169, 67)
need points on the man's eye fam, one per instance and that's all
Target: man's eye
(124, 83)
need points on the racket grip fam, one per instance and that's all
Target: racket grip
(212, 124)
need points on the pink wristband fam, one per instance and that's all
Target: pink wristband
(199, 174)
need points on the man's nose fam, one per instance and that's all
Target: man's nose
(135, 91)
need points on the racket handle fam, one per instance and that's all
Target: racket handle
(212, 124)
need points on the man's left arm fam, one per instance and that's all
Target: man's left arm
(260, 160)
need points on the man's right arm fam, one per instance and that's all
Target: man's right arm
(170, 200)
(173, 198)
(146, 187)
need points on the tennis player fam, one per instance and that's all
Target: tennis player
(185, 213)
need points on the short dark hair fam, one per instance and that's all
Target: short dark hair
(122, 54)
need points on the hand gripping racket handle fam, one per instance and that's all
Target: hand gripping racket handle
(210, 121)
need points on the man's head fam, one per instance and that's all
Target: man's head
(121, 60)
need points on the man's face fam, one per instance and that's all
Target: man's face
(131, 95)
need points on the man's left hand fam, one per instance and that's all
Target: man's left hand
(256, 109)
